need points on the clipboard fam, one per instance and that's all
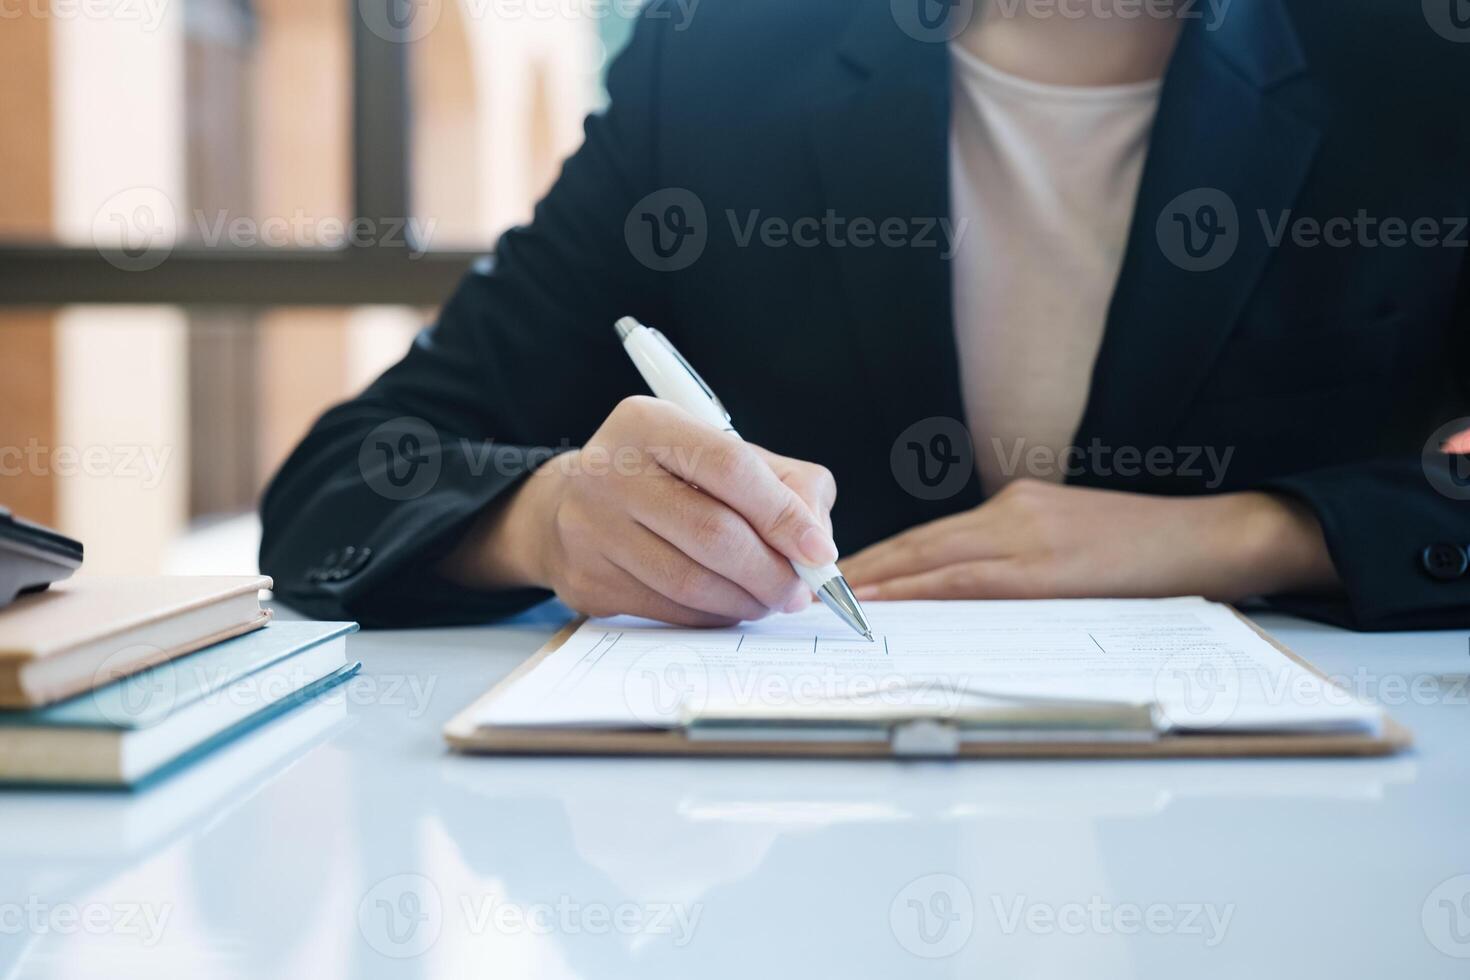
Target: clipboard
(466, 737)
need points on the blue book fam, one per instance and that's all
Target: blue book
(151, 722)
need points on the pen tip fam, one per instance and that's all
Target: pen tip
(868, 635)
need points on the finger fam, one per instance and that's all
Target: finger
(993, 579)
(947, 541)
(732, 471)
(715, 537)
(813, 482)
(619, 593)
(673, 574)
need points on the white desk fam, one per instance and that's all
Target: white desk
(522, 867)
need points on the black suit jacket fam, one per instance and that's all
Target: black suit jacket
(1322, 368)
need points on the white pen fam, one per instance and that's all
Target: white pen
(674, 380)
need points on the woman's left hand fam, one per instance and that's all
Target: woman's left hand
(1035, 540)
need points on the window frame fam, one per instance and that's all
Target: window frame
(396, 271)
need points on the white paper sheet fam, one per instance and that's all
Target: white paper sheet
(1204, 668)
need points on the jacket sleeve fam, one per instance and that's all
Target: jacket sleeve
(1399, 529)
(521, 363)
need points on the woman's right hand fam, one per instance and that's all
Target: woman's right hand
(660, 516)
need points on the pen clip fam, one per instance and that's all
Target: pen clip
(714, 399)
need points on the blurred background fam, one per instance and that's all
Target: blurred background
(218, 217)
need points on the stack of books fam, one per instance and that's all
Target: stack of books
(118, 681)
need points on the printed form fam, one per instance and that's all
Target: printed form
(1202, 666)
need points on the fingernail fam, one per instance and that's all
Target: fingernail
(817, 546)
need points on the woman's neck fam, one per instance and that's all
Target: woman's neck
(1072, 42)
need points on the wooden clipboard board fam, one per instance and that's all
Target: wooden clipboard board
(463, 735)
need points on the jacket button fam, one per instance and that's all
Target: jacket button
(1445, 562)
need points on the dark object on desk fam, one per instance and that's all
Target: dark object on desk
(32, 557)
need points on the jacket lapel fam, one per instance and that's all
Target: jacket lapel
(879, 123)
(1233, 134)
